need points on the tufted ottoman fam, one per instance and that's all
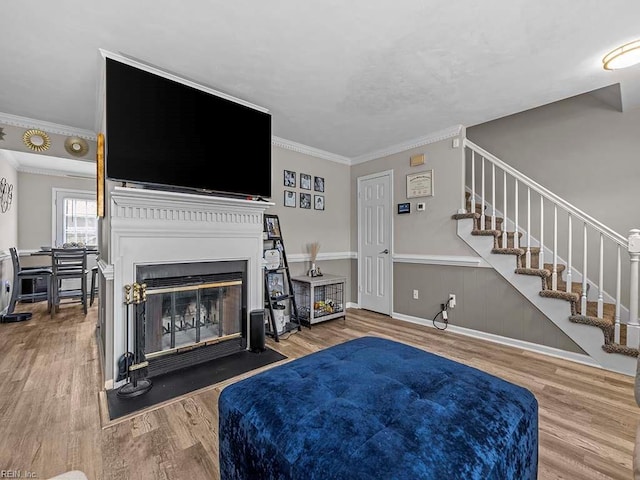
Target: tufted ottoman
(373, 408)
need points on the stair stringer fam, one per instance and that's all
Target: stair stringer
(590, 339)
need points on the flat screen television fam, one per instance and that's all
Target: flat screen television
(166, 134)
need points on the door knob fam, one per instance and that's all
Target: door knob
(386, 250)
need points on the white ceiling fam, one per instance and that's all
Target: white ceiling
(346, 77)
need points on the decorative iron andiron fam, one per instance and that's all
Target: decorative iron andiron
(136, 364)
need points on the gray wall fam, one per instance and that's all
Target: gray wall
(8, 227)
(431, 232)
(36, 208)
(581, 148)
(300, 227)
(484, 302)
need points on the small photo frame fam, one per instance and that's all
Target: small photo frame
(420, 184)
(318, 202)
(305, 200)
(275, 284)
(289, 198)
(318, 184)
(289, 178)
(272, 226)
(305, 181)
(404, 207)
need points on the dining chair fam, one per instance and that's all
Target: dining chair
(32, 274)
(94, 284)
(69, 270)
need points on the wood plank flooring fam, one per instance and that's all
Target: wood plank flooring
(50, 402)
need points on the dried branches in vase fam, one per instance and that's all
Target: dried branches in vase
(314, 248)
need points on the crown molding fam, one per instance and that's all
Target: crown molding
(49, 127)
(10, 158)
(314, 152)
(58, 172)
(403, 147)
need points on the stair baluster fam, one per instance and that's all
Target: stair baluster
(554, 272)
(633, 326)
(473, 182)
(528, 255)
(569, 254)
(583, 300)
(493, 196)
(516, 240)
(618, 293)
(504, 202)
(483, 204)
(541, 256)
(601, 279)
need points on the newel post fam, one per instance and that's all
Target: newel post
(633, 327)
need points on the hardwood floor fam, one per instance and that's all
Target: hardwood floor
(50, 407)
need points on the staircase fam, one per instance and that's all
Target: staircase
(532, 238)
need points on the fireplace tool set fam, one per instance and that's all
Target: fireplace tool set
(134, 365)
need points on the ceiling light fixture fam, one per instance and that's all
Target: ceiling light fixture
(622, 57)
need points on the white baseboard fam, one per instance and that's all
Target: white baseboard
(533, 347)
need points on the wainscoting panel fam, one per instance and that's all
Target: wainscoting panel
(485, 302)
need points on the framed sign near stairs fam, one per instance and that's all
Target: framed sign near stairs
(279, 298)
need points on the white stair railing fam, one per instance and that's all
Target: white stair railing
(611, 243)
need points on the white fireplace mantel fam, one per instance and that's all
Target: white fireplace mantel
(154, 227)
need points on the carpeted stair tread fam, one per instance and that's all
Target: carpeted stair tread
(485, 232)
(535, 258)
(622, 349)
(510, 237)
(568, 296)
(576, 287)
(477, 216)
(507, 251)
(540, 272)
(559, 267)
(608, 310)
(593, 321)
(606, 323)
(461, 216)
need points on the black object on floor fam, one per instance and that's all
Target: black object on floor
(185, 380)
(15, 317)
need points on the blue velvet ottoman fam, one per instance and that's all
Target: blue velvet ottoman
(372, 408)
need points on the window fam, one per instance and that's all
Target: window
(76, 217)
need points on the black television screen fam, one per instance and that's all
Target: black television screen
(160, 132)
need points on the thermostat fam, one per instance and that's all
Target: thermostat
(420, 207)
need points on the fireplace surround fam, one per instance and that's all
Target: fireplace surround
(193, 313)
(180, 235)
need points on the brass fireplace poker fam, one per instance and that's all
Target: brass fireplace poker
(135, 363)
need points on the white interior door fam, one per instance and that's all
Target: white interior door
(375, 242)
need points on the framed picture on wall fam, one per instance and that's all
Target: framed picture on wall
(318, 184)
(305, 181)
(289, 198)
(289, 178)
(420, 184)
(318, 202)
(305, 200)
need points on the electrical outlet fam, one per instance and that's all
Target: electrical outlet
(452, 300)
(415, 294)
